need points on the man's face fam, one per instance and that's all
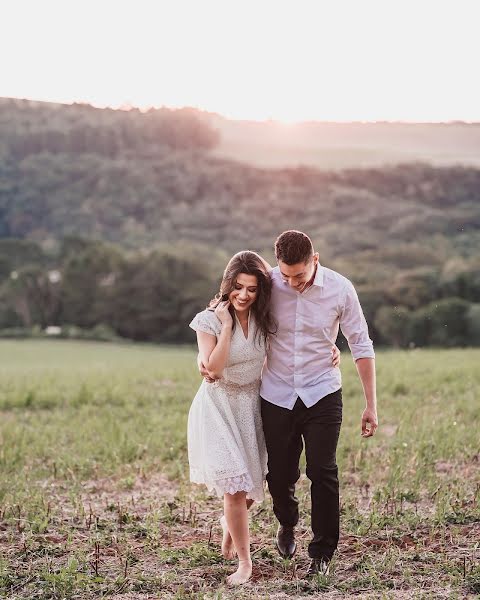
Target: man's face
(297, 276)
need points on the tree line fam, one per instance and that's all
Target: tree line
(30, 127)
(151, 296)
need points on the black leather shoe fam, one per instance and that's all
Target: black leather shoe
(286, 544)
(318, 566)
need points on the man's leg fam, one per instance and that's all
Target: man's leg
(321, 428)
(284, 446)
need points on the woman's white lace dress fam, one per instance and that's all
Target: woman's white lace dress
(226, 446)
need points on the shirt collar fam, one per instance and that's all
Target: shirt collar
(319, 276)
(318, 279)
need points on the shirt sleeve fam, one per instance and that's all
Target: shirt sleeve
(206, 321)
(354, 326)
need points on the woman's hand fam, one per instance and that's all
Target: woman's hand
(335, 356)
(223, 314)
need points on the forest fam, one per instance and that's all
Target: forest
(120, 222)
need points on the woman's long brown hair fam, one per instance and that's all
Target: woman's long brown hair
(249, 263)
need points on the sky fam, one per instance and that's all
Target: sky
(367, 60)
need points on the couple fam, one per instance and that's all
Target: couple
(271, 386)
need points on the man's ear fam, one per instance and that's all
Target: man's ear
(316, 256)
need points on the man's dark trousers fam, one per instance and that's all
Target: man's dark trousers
(286, 431)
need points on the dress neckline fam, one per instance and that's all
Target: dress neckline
(245, 337)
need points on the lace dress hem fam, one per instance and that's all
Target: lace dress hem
(232, 485)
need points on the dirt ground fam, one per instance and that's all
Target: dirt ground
(138, 539)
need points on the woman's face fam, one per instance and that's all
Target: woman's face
(244, 293)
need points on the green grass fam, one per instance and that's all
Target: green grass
(95, 498)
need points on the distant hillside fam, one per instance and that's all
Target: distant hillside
(407, 235)
(140, 179)
(347, 145)
(29, 127)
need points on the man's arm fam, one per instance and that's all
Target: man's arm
(268, 266)
(204, 372)
(366, 372)
(355, 329)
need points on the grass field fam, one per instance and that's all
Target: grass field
(95, 499)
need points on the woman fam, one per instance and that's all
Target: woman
(226, 445)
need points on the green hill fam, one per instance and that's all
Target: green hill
(153, 185)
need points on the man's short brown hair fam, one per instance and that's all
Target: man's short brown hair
(292, 247)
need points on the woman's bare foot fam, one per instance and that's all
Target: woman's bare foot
(242, 574)
(228, 549)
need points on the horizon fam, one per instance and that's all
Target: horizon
(287, 124)
(319, 61)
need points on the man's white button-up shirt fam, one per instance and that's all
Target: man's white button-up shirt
(299, 359)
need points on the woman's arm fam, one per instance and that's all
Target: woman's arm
(203, 371)
(214, 352)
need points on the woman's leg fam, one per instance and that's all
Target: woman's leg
(228, 549)
(236, 516)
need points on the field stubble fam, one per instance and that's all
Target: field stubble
(95, 499)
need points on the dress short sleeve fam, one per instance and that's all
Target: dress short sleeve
(206, 321)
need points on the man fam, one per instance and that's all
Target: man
(301, 391)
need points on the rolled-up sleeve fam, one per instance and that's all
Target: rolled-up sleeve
(354, 326)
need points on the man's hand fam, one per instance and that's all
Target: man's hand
(205, 374)
(369, 422)
(203, 371)
(335, 356)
